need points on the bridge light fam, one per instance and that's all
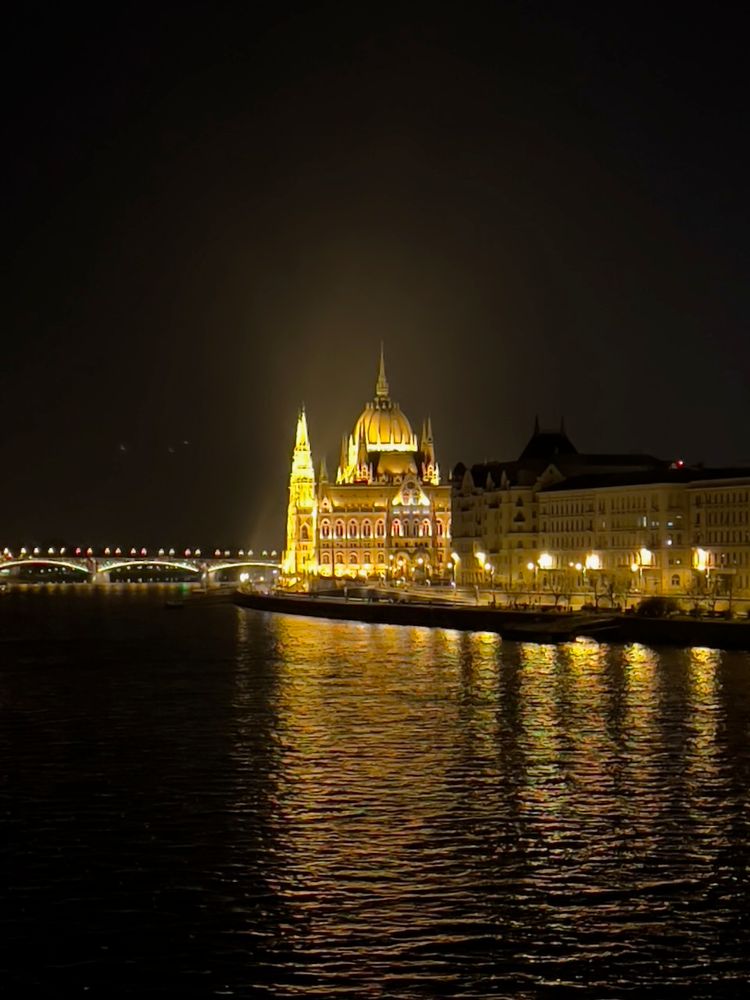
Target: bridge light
(118, 551)
(62, 551)
(23, 551)
(106, 551)
(217, 553)
(273, 552)
(187, 552)
(143, 552)
(50, 551)
(226, 553)
(133, 552)
(161, 552)
(244, 577)
(78, 550)
(250, 552)
(197, 552)
(36, 550)
(265, 554)
(89, 551)
(171, 552)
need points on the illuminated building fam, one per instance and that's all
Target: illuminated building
(386, 514)
(497, 507)
(627, 526)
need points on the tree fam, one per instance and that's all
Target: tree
(596, 584)
(561, 586)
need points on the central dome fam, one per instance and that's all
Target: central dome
(384, 427)
(382, 424)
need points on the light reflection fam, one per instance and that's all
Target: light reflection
(415, 775)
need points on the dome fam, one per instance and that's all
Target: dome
(384, 427)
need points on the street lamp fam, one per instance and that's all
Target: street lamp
(532, 568)
(489, 568)
(455, 560)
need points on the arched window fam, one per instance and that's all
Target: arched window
(381, 558)
(352, 529)
(676, 580)
(379, 529)
(339, 558)
(325, 528)
(396, 528)
(440, 529)
(407, 529)
(366, 558)
(425, 528)
(326, 558)
(339, 529)
(304, 533)
(366, 529)
(353, 558)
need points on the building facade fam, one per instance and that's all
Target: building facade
(386, 515)
(618, 528)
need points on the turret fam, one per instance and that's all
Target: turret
(430, 470)
(301, 525)
(364, 472)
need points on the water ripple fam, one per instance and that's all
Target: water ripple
(245, 805)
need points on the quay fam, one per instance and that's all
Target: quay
(513, 625)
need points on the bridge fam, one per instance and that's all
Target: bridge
(113, 565)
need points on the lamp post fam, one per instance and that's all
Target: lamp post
(593, 564)
(489, 568)
(453, 564)
(532, 568)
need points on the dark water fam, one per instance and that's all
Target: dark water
(211, 802)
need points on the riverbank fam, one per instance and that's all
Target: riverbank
(521, 626)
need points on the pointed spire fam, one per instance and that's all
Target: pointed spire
(323, 475)
(381, 386)
(343, 460)
(429, 429)
(361, 448)
(302, 440)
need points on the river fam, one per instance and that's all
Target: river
(211, 801)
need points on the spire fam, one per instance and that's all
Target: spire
(302, 463)
(381, 386)
(361, 448)
(323, 474)
(302, 441)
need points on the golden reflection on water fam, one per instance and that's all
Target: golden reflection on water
(358, 785)
(424, 776)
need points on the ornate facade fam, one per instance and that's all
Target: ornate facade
(556, 522)
(386, 514)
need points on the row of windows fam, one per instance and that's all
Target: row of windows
(735, 496)
(399, 529)
(325, 558)
(725, 537)
(724, 517)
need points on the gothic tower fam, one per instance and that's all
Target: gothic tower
(301, 523)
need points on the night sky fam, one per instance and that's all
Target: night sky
(212, 214)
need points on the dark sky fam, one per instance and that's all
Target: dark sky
(212, 213)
